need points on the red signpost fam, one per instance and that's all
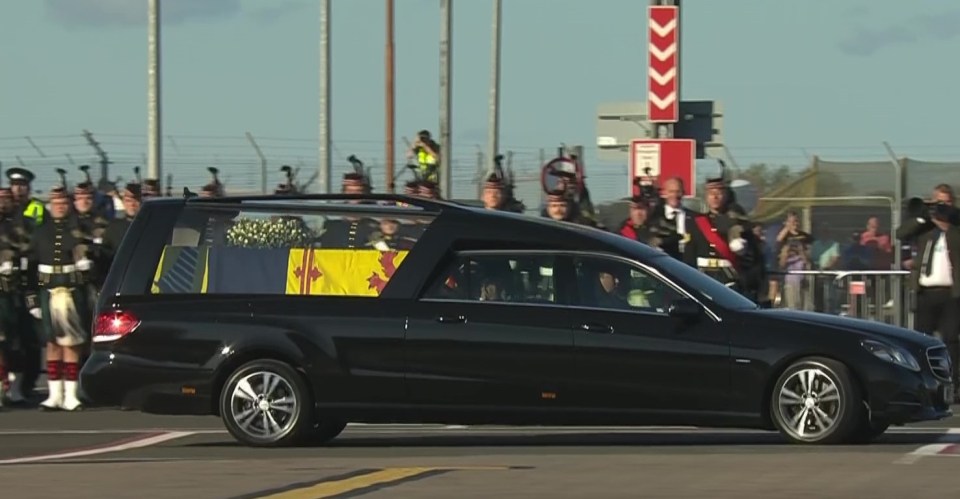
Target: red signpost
(663, 104)
(664, 158)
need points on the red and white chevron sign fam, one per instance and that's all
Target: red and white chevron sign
(663, 105)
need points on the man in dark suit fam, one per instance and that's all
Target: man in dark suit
(935, 274)
(672, 220)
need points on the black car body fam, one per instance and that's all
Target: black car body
(490, 317)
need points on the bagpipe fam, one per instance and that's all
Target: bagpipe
(215, 185)
(359, 172)
(565, 174)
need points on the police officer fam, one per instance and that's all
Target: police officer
(723, 244)
(427, 153)
(12, 240)
(30, 213)
(58, 255)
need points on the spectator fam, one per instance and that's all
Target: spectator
(793, 248)
(879, 245)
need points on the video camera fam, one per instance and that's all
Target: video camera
(933, 210)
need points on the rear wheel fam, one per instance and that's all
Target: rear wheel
(816, 401)
(266, 403)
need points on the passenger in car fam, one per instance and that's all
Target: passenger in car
(607, 290)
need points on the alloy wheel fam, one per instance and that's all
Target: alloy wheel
(264, 405)
(810, 403)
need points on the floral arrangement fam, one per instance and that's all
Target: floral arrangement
(282, 232)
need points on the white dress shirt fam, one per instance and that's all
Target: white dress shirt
(941, 272)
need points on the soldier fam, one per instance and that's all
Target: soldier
(349, 232)
(390, 237)
(723, 244)
(493, 193)
(150, 189)
(429, 190)
(29, 213)
(638, 225)
(12, 238)
(559, 208)
(57, 258)
(411, 188)
(117, 227)
(92, 226)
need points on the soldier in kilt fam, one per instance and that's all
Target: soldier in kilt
(12, 236)
(57, 262)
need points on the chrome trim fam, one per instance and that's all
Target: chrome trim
(595, 254)
(946, 358)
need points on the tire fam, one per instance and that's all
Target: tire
(868, 431)
(325, 431)
(828, 412)
(244, 410)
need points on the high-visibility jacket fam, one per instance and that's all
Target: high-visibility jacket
(35, 210)
(428, 166)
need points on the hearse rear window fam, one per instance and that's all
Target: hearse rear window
(214, 250)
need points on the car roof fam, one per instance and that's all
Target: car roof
(471, 219)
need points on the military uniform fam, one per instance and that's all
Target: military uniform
(117, 228)
(723, 246)
(646, 233)
(91, 225)
(349, 232)
(58, 257)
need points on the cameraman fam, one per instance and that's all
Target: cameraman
(427, 153)
(934, 231)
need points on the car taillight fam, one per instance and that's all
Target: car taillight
(113, 325)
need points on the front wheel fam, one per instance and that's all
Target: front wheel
(266, 403)
(816, 401)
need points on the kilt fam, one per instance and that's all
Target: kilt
(66, 338)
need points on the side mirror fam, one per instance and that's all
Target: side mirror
(684, 308)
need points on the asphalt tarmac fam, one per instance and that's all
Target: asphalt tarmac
(106, 453)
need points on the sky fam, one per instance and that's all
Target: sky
(796, 78)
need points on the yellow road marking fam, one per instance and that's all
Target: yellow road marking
(371, 479)
(328, 489)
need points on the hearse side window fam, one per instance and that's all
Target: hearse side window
(496, 278)
(213, 250)
(616, 285)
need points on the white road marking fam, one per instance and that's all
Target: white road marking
(945, 442)
(132, 444)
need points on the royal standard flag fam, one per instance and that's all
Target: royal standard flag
(341, 272)
(235, 270)
(182, 269)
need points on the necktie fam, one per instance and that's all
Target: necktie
(928, 254)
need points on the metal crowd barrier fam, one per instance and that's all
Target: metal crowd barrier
(877, 295)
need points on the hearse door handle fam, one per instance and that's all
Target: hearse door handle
(452, 319)
(593, 327)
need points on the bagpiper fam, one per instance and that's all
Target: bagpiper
(288, 186)
(723, 244)
(12, 239)
(213, 189)
(57, 259)
(92, 225)
(350, 232)
(117, 228)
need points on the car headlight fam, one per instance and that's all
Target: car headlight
(892, 354)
